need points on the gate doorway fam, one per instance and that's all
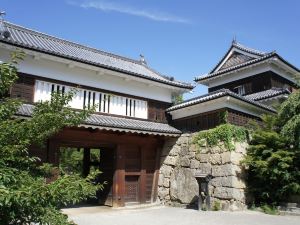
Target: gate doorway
(129, 163)
(87, 160)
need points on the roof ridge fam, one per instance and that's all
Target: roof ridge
(248, 49)
(49, 36)
(164, 76)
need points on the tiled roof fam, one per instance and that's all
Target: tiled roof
(236, 59)
(231, 68)
(273, 92)
(106, 122)
(241, 61)
(30, 39)
(215, 95)
(241, 47)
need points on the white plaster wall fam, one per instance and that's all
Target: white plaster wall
(61, 71)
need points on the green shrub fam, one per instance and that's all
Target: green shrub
(269, 209)
(216, 205)
(225, 134)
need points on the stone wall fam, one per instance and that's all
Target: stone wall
(180, 159)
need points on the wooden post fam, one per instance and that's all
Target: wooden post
(143, 175)
(53, 158)
(86, 161)
(119, 179)
(156, 174)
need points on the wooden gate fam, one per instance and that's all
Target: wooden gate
(140, 167)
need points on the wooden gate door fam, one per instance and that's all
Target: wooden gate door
(132, 161)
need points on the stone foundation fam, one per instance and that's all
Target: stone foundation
(180, 159)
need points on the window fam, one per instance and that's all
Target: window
(239, 90)
(83, 98)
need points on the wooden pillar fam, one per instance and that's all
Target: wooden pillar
(143, 175)
(86, 162)
(156, 173)
(53, 158)
(119, 178)
(53, 152)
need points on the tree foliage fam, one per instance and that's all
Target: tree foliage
(273, 158)
(25, 197)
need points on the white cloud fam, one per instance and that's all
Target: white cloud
(121, 8)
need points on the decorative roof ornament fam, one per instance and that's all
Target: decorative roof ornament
(3, 30)
(234, 41)
(143, 60)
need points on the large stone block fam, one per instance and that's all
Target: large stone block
(205, 168)
(226, 157)
(182, 140)
(183, 186)
(202, 157)
(166, 170)
(184, 161)
(160, 180)
(228, 181)
(236, 158)
(195, 164)
(194, 148)
(229, 193)
(166, 182)
(215, 159)
(226, 170)
(171, 160)
(163, 192)
(217, 149)
(184, 151)
(175, 150)
(241, 147)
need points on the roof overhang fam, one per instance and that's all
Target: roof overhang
(117, 124)
(219, 103)
(98, 69)
(274, 64)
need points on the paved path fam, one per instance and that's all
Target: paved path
(174, 216)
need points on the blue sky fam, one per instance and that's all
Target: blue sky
(178, 38)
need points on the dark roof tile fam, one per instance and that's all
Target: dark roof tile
(273, 92)
(106, 122)
(218, 94)
(27, 38)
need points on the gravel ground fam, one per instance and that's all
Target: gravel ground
(174, 216)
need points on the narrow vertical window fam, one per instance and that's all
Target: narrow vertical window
(134, 108)
(126, 106)
(104, 101)
(84, 97)
(94, 98)
(108, 103)
(100, 101)
(89, 99)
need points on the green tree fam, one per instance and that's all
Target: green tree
(25, 196)
(273, 156)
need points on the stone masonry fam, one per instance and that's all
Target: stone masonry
(180, 159)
